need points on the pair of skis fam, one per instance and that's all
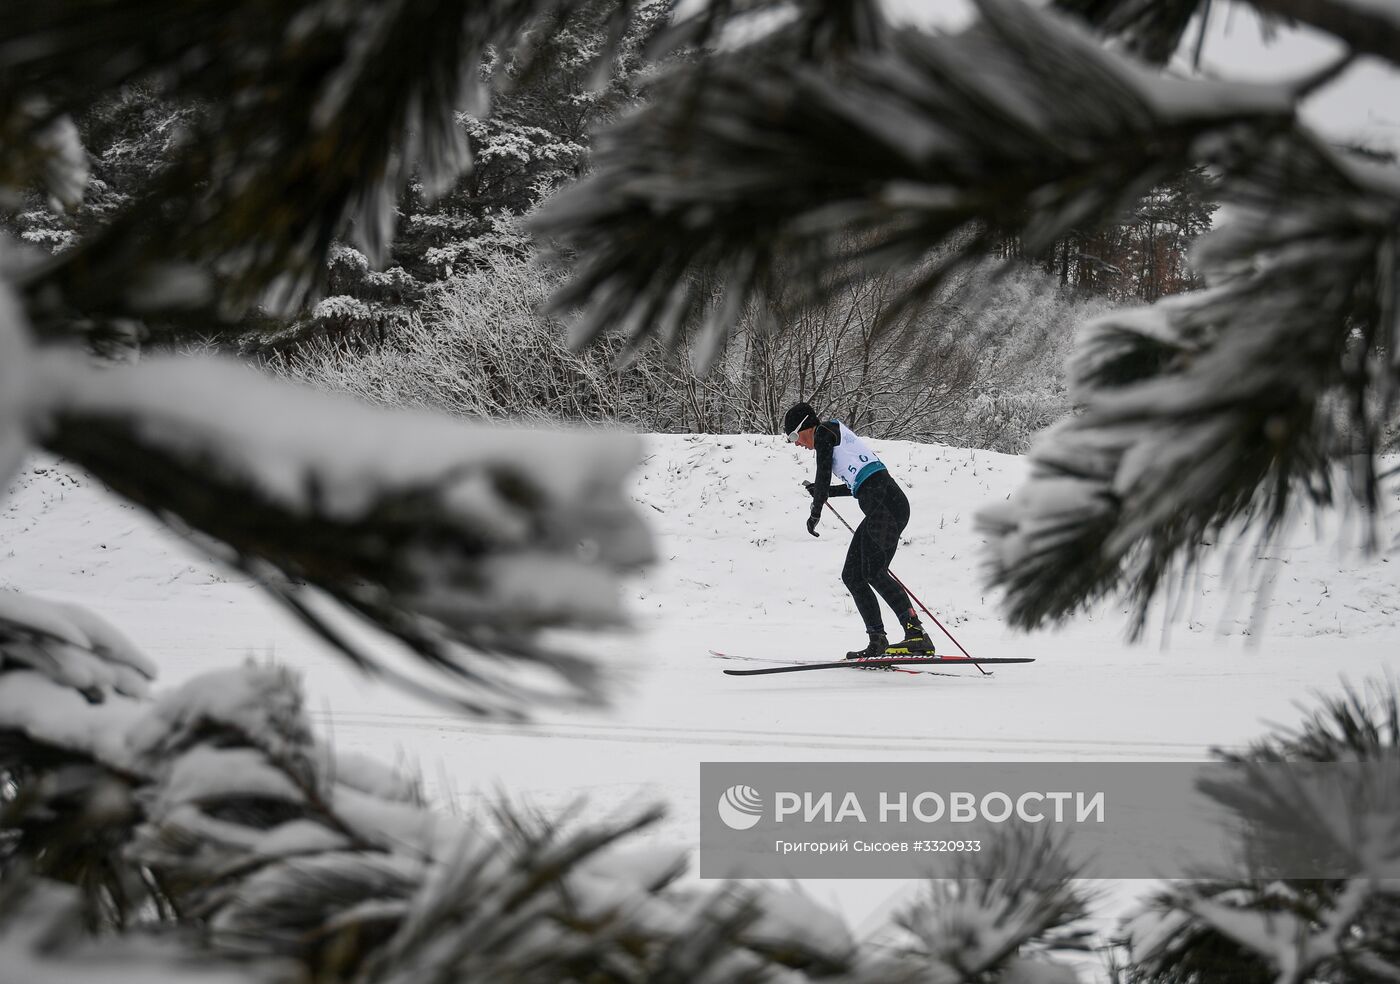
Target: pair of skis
(899, 664)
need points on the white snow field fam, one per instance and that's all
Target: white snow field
(738, 573)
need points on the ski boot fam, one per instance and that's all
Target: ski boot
(878, 644)
(914, 643)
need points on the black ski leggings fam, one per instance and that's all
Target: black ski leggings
(872, 548)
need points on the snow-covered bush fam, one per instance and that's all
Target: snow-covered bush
(981, 364)
(1000, 421)
(482, 346)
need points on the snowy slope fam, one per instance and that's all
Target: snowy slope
(739, 573)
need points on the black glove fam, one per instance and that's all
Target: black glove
(811, 488)
(812, 519)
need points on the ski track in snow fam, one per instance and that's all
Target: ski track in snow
(1032, 748)
(739, 573)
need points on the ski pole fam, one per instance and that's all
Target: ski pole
(911, 594)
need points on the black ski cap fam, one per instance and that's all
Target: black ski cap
(800, 417)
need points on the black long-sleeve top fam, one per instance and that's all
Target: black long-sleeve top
(827, 436)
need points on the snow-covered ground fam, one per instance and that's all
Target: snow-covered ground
(739, 573)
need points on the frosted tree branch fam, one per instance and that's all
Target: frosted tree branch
(1366, 26)
(450, 537)
(914, 162)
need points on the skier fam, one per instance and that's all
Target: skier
(841, 453)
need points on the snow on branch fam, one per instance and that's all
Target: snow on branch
(1287, 931)
(554, 899)
(259, 707)
(813, 29)
(39, 148)
(70, 684)
(445, 535)
(764, 172)
(1359, 724)
(1295, 930)
(1154, 29)
(1222, 406)
(229, 844)
(1007, 913)
(69, 693)
(241, 822)
(1370, 27)
(1134, 344)
(43, 940)
(293, 907)
(71, 646)
(246, 827)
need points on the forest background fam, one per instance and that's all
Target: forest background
(455, 320)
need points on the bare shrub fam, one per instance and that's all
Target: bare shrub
(985, 374)
(982, 365)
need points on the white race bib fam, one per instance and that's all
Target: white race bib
(853, 461)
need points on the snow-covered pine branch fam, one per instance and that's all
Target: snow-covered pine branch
(1223, 405)
(1295, 930)
(47, 150)
(450, 537)
(44, 939)
(215, 805)
(1288, 932)
(1154, 29)
(1370, 27)
(70, 646)
(767, 175)
(1007, 915)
